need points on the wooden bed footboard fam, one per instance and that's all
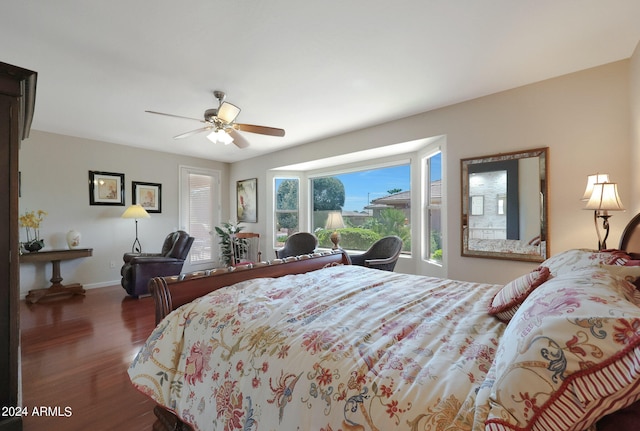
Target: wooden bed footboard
(170, 293)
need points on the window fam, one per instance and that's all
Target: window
(287, 214)
(433, 207)
(199, 195)
(373, 203)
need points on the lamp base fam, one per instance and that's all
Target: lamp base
(136, 247)
(602, 243)
(335, 239)
(605, 226)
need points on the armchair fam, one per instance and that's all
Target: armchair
(383, 254)
(297, 244)
(139, 268)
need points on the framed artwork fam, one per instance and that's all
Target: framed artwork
(477, 205)
(106, 188)
(247, 200)
(148, 195)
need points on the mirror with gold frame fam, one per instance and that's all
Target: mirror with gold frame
(504, 206)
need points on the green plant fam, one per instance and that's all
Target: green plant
(225, 233)
(391, 221)
(352, 238)
(437, 255)
(436, 245)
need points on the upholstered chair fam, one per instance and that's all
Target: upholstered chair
(383, 254)
(297, 244)
(139, 268)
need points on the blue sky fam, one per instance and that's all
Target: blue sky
(364, 186)
(373, 184)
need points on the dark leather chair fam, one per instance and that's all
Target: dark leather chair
(297, 244)
(383, 254)
(139, 268)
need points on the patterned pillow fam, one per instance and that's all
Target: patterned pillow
(507, 301)
(629, 273)
(569, 356)
(577, 259)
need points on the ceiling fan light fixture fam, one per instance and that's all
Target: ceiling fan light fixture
(220, 137)
(228, 112)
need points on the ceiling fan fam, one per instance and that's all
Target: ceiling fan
(221, 121)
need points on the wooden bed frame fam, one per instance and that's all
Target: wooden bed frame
(630, 239)
(169, 293)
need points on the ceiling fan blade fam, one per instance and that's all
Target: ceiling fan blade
(263, 130)
(175, 116)
(238, 139)
(193, 132)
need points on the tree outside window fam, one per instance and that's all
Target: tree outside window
(287, 214)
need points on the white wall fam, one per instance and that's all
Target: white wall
(634, 205)
(54, 171)
(582, 117)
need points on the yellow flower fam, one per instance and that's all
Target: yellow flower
(31, 220)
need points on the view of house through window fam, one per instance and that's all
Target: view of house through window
(363, 206)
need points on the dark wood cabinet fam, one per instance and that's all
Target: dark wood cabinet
(17, 97)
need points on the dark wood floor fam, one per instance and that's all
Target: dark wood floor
(75, 354)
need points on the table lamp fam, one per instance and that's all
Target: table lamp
(591, 180)
(335, 222)
(136, 211)
(604, 198)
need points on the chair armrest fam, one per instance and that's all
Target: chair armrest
(384, 261)
(144, 260)
(128, 256)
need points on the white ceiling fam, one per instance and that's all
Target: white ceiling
(314, 69)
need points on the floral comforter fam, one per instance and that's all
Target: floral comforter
(342, 348)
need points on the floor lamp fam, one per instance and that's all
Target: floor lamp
(135, 212)
(604, 198)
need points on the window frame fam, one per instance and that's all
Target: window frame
(275, 211)
(395, 154)
(428, 206)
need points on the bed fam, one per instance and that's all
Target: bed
(314, 343)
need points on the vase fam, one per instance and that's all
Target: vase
(34, 245)
(73, 239)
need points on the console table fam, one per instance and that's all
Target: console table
(55, 256)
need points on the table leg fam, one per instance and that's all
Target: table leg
(56, 288)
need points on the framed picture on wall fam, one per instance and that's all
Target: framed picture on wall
(148, 195)
(106, 188)
(247, 200)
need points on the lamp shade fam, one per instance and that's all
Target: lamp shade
(228, 112)
(135, 211)
(605, 198)
(334, 220)
(591, 180)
